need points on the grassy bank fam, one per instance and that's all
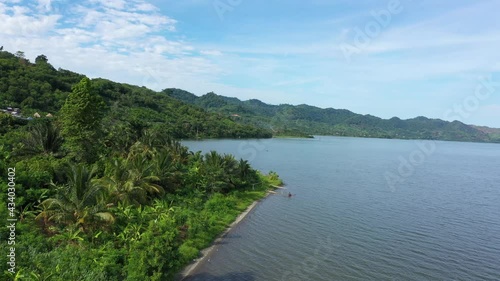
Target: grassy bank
(246, 201)
(223, 210)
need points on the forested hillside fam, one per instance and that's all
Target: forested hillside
(40, 88)
(303, 119)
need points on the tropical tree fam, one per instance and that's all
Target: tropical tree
(79, 202)
(167, 168)
(244, 169)
(154, 138)
(81, 119)
(41, 59)
(134, 180)
(120, 184)
(218, 171)
(43, 137)
(213, 159)
(179, 151)
(20, 54)
(141, 174)
(245, 174)
(119, 137)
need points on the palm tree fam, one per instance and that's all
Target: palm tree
(244, 169)
(179, 152)
(166, 168)
(133, 180)
(231, 171)
(195, 157)
(119, 137)
(213, 159)
(79, 202)
(155, 138)
(140, 150)
(246, 175)
(141, 174)
(119, 185)
(219, 171)
(43, 137)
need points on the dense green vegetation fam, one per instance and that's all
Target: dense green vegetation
(103, 190)
(128, 110)
(303, 120)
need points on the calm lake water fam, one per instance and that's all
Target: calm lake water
(365, 209)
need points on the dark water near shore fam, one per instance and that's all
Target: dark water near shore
(438, 218)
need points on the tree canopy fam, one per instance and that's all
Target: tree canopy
(40, 88)
(81, 117)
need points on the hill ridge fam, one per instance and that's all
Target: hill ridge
(304, 119)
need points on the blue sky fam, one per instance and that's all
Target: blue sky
(402, 58)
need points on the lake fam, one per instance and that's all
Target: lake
(365, 209)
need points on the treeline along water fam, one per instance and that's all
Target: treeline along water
(441, 221)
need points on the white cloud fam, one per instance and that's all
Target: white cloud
(107, 39)
(20, 23)
(145, 7)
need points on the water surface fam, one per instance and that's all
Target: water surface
(439, 221)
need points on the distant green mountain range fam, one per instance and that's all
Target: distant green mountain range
(303, 120)
(40, 88)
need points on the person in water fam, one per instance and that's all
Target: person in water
(289, 194)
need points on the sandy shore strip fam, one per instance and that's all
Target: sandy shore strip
(205, 253)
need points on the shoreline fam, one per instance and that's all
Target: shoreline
(206, 253)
